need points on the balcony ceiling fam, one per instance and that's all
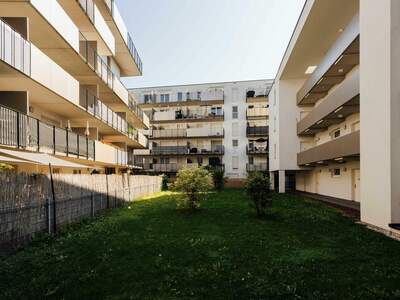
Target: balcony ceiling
(336, 117)
(319, 27)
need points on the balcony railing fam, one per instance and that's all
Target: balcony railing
(254, 112)
(187, 132)
(257, 167)
(257, 149)
(88, 7)
(95, 62)
(257, 130)
(111, 6)
(185, 150)
(193, 114)
(102, 112)
(133, 106)
(24, 132)
(256, 93)
(14, 49)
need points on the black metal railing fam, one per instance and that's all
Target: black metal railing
(110, 4)
(14, 49)
(24, 132)
(189, 150)
(95, 61)
(257, 130)
(257, 149)
(104, 113)
(257, 167)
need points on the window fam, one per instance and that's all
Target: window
(235, 143)
(198, 95)
(164, 98)
(335, 134)
(216, 111)
(164, 160)
(189, 161)
(180, 96)
(187, 95)
(235, 113)
(147, 98)
(235, 162)
(235, 129)
(336, 172)
(251, 160)
(200, 161)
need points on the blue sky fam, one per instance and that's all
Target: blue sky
(199, 41)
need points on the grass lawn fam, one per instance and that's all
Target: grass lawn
(303, 250)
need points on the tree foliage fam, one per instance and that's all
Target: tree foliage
(194, 183)
(258, 190)
(164, 183)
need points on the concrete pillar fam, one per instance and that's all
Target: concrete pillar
(379, 111)
(271, 181)
(281, 181)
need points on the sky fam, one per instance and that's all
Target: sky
(202, 41)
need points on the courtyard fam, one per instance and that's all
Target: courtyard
(150, 250)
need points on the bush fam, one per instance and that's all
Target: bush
(219, 179)
(194, 183)
(258, 190)
(164, 183)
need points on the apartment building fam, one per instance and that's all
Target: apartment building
(334, 107)
(61, 96)
(221, 125)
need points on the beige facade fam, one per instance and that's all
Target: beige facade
(222, 125)
(61, 64)
(333, 107)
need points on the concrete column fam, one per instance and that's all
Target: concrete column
(281, 181)
(379, 109)
(271, 181)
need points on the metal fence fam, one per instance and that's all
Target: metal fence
(257, 130)
(24, 132)
(32, 204)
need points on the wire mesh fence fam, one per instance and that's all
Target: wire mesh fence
(29, 205)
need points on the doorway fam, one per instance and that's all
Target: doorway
(355, 183)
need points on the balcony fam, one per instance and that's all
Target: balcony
(185, 150)
(257, 112)
(257, 167)
(14, 49)
(188, 115)
(257, 150)
(337, 150)
(173, 168)
(126, 53)
(335, 108)
(105, 114)
(187, 133)
(340, 60)
(87, 17)
(257, 131)
(23, 132)
(257, 95)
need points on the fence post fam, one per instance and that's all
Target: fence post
(48, 218)
(54, 200)
(92, 203)
(18, 129)
(108, 197)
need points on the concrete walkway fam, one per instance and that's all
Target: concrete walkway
(332, 200)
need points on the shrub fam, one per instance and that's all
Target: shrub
(258, 190)
(194, 183)
(219, 179)
(5, 167)
(164, 183)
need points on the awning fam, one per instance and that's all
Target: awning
(41, 159)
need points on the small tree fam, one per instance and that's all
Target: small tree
(258, 190)
(219, 179)
(164, 182)
(194, 183)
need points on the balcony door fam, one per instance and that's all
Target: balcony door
(355, 177)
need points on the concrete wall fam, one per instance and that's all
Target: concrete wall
(380, 106)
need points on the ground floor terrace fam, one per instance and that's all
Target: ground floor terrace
(303, 249)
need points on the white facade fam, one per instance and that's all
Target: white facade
(228, 99)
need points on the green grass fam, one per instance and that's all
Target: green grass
(302, 250)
